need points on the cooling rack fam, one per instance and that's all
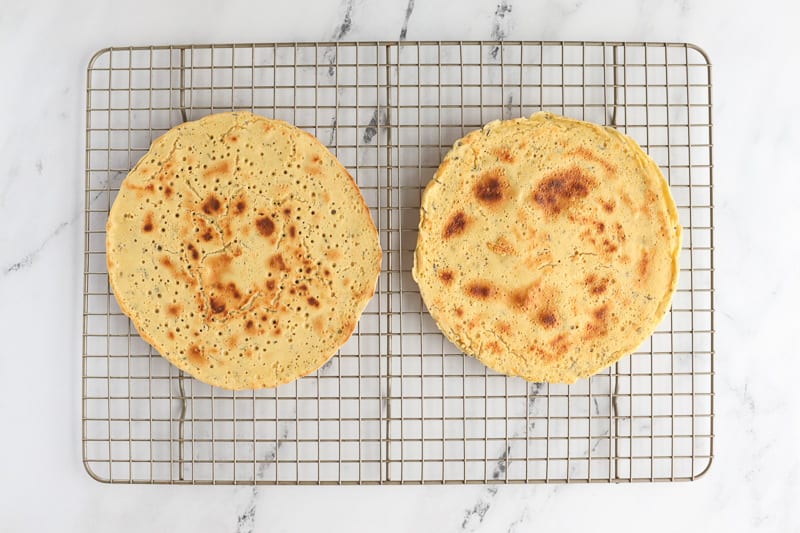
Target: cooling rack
(399, 403)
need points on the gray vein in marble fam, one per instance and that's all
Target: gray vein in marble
(603, 437)
(512, 527)
(30, 257)
(326, 368)
(378, 119)
(342, 29)
(509, 103)
(533, 394)
(246, 520)
(333, 129)
(473, 517)
(347, 22)
(404, 29)
(500, 467)
(501, 25)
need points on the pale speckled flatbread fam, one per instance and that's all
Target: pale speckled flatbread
(548, 247)
(242, 250)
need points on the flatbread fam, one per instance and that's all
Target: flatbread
(242, 250)
(548, 247)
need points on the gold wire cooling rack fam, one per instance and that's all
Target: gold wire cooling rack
(399, 403)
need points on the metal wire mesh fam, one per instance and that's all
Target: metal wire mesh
(399, 403)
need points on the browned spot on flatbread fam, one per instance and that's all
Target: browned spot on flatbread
(239, 207)
(492, 187)
(333, 254)
(207, 236)
(140, 191)
(598, 326)
(559, 345)
(620, 232)
(171, 335)
(224, 295)
(446, 276)
(547, 318)
(292, 231)
(265, 226)
(212, 205)
(270, 285)
(315, 166)
(561, 189)
(313, 302)
(176, 271)
(221, 168)
(217, 305)
(494, 347)
(626, 199)
(480, 289)
(608, 206)
(174, 309)
(600, 227)
(196, 355)
(526, 298)
(232, 341)
(502, 246)
(459, 312)
(250, 327)
(588, 155)
(193, 252)
(168, 191)
(595, 285)
(504, 328)
(643, 266)
(318, 325)
(147, 227)
(276, 263)
(233, 290)
(455, 225)
(519, 298)
(609, 247)
(503, 154)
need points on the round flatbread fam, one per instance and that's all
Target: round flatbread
(242, 250)
(548, 247)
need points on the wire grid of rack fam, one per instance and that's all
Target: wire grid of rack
(399, 403)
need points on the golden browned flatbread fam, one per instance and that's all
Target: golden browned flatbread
(242, 250)
(548, 247)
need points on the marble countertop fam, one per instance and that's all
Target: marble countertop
(752, 485)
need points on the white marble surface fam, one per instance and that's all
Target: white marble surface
(752, 485)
